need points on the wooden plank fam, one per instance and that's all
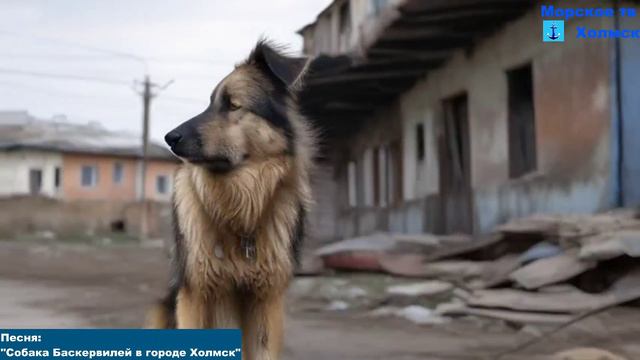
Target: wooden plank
(550, 271)
(574, 301)
(521, 317)
(397, 74)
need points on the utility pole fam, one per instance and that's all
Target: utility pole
(147, 95)
(146, 104)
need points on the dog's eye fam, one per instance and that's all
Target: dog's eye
(233, 106)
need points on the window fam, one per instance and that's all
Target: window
(382, 176)
(89, 176)
(57, 177)
(368, 174)
(118, 173)
(345, 17)
(344, 26)
(420, 141)
(351, 184)
(35, 181)
(521, 126)
(162, 184)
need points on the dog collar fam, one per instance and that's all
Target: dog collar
(248, 246)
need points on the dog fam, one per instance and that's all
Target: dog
(240, 201)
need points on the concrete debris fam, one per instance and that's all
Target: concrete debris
(426, 288)
(573, 301)
(523, 317)
(539, 251)
(408, 265)
(543, 269)
(416, 314)
(337, 305)
(586, 354)
(611, 245)
(550, 271)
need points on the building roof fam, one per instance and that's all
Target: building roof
(398, 47)
(19, 130)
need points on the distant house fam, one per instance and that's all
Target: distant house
(454, 115)
(68, 161)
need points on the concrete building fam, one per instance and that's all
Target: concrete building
(447, 116)
(70, 162)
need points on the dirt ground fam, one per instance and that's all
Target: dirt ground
(58, 285)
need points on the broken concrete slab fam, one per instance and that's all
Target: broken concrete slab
(424, 288)
(378, 242)
(574, 301)
(458, 270)
(497, 272)
(521, 317)
(550, 271)
(407, 265)
(611, 245)
(586, 354)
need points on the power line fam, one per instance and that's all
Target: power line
(90, 57)
(62, 76)
(112, 52)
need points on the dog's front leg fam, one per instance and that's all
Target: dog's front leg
(263, 327)
(196, 311)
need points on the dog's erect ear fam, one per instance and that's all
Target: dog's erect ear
(287, 69)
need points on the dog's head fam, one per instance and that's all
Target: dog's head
(247, 119)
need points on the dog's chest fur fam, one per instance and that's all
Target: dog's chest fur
(213, 217)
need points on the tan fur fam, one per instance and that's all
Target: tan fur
(261, 198)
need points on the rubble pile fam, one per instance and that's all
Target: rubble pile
(543, 269)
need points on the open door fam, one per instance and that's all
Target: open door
(455, 166)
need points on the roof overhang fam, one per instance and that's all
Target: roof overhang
(401, 46)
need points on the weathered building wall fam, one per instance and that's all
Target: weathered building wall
(156, 169)
(27, 215)
(322, 217)
(369, 215)
(106, 188)
(629, 128)
(572, 115)
(15, 167)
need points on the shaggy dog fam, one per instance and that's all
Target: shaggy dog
(239, 204)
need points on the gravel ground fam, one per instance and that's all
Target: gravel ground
(57, 285)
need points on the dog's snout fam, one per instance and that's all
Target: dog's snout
(173, 138)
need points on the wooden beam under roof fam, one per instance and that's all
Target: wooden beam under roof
(350, 77)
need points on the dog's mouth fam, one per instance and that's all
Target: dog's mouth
(218, 165)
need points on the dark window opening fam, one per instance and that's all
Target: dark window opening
(162, 184)
(118, 226)
(345, 18)
(456, 137)
(118, 173)
(420, 141)
(35, 181)
(89, 176)
(455, 166)
(521, 126)
(57, 177)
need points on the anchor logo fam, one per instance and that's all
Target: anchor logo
(553, 31)
(553, 35)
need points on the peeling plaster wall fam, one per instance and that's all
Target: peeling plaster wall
(630, 103)
(572, 97)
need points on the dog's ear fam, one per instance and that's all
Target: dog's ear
(289, 70)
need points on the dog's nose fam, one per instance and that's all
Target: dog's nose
(173, 138)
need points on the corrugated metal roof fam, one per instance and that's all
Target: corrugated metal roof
(26, 132)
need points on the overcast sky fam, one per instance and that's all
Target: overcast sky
(193, 42)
